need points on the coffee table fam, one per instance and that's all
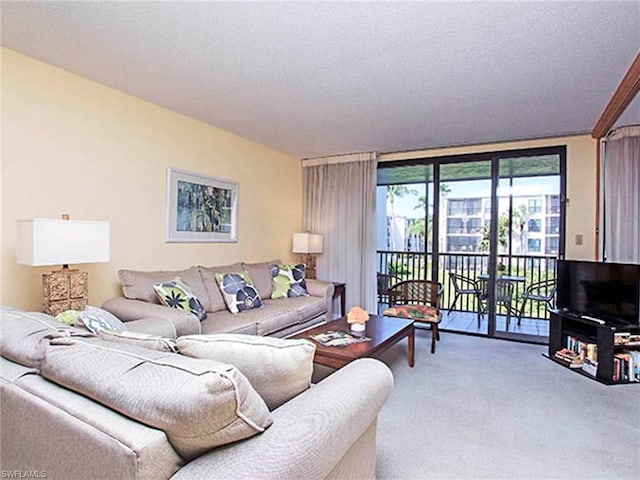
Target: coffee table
(383, 332)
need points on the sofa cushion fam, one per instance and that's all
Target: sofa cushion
(278, 369)
(24, 336)
(288, 281)
(273, 316)
(96, 319)
(293, 311)
(238, 291)
(177, 294)
(260, 273)
(224, 321)
(144, 340)
(208, 275)
(138, 285)
(199, 404)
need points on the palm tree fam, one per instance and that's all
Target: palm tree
(392, 192)
(418, 227)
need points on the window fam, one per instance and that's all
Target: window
(454, 225)
(474, 225)
(462, 244)
(553, 225)
(465, 206)
(535, 225)
(533, 244)
(535, 206)
(552, 246)
(553, 204)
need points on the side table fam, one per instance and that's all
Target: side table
(339, 290)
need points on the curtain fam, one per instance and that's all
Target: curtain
(339, 202)
(621, 185)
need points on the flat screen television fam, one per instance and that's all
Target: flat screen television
(608, 291)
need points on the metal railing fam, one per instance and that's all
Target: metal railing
(395, 266)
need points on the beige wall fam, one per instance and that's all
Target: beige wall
(70, 145)
(581, 183)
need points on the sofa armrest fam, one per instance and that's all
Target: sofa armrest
(128, 310)
(318, 288)
(311, 434)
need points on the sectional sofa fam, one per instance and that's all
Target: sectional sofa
(276, 317)
(74, 406)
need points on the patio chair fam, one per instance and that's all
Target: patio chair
(462, 286)
(542, 291)
(418, 300)
(504, 296)
(385, 280)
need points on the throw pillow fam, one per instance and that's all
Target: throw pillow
(96, 319)
(199, 404)
(288, 281)
(144, 340)
(238, 291)
(177, 294)
(421, 313)
(278, 369)
(68, 317)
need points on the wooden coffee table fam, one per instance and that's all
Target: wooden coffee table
(383, 332)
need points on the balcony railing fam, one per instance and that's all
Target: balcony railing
(396, 266)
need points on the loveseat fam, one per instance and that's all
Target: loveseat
(74, 406)
(276, 317)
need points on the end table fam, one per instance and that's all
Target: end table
(339, 290)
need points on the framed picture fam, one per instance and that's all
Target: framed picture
(201, 208)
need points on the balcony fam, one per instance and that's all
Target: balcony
(397, 266)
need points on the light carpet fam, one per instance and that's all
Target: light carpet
(489, 409)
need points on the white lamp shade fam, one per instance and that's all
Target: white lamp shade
(307, 243)
(43, 241)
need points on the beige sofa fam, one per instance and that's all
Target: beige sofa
(279, 318)
(55, 389)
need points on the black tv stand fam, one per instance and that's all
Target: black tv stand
(605, 334)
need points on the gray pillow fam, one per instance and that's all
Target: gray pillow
(199, 404)
(24, 336)
(138, 285)
(260, 273)
(144, 340)
(278, 369)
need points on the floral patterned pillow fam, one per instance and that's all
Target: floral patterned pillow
(177, 294)
(238, 291)
(288, 281)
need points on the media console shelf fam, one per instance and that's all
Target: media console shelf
(612, 346)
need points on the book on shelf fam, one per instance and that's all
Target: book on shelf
(626, 366)
(338, 338)
(590, 367)
(626, 339)
(583, 349)
(570, 358)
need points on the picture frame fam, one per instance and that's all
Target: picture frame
(201, 208)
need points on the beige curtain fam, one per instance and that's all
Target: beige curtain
(339, 202)
(621, 193)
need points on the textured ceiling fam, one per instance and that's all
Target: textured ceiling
(320, 78)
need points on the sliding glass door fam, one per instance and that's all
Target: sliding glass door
(489, 227)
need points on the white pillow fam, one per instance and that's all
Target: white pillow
(278, 369)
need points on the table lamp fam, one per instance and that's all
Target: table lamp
(308, 244)
(43, 241)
